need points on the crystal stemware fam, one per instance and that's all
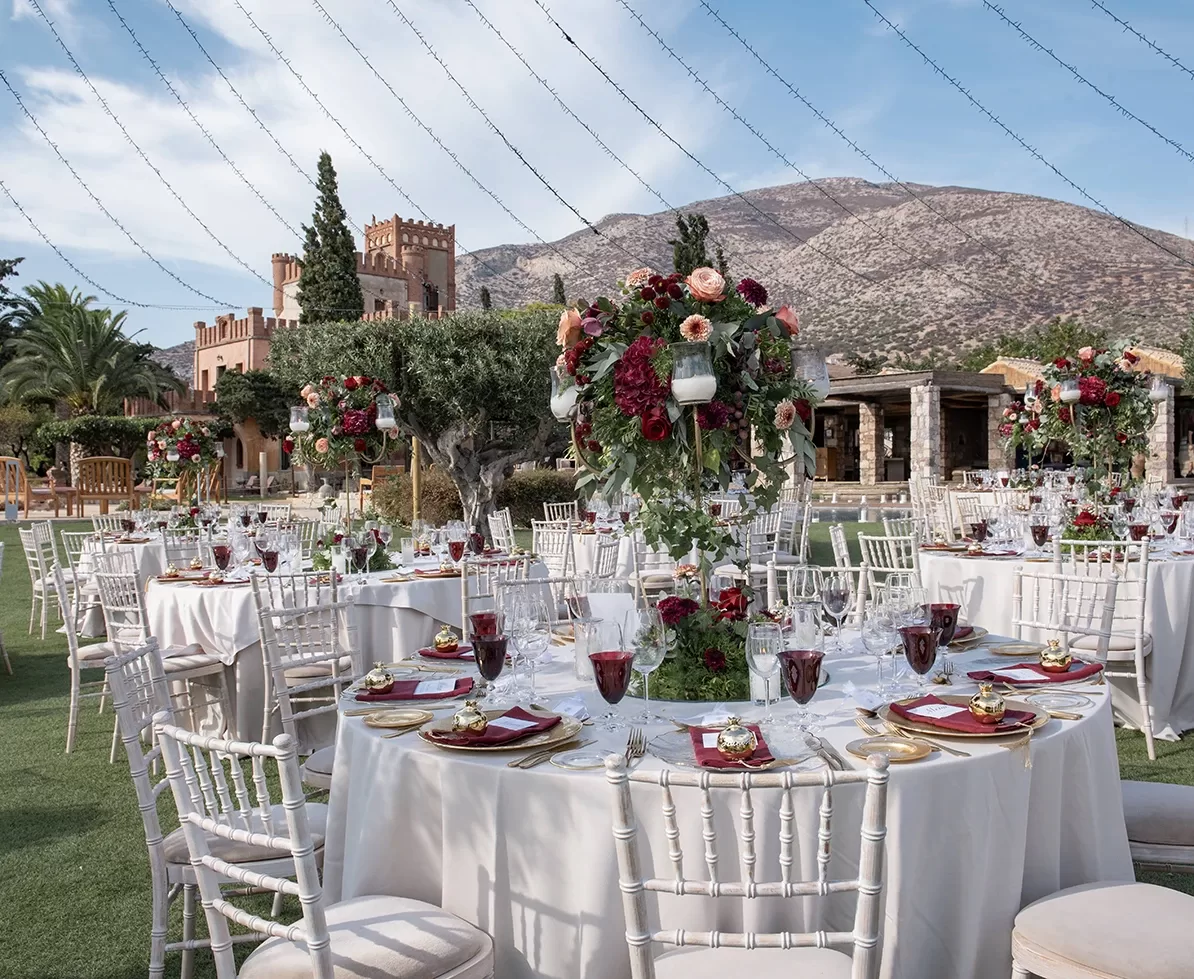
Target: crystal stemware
(611, 670)
(764, 640)
(879, 637)
(650, 646)
(801, 670)
(836, 589)
(920, 650)
(489, 651)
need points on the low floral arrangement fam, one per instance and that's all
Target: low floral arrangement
(706, 657)
(342, 412)
(325, 547)
(1105, 427)
(1087, 525)
(192, 444)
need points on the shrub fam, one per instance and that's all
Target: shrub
(524, 493)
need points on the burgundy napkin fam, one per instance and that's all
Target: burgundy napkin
(712, 758)
(405, 690)
(462, 651)
(1077, 671)
(435, 573)
(962, 631)
(962, 721)
(496, 734)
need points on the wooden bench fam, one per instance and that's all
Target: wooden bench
(107, 479)
(50, 493)
(181, 488)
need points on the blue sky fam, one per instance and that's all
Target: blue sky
(836, 53)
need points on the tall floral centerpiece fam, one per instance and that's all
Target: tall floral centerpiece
(669, 389)
(1094, 404)
(184, 445)
(342, 421)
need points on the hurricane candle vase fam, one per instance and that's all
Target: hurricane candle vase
(693, 380)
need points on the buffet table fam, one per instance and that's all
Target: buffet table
(983, 586)
(528, 856)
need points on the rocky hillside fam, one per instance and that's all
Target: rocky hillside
(893, 275)
(179, 358)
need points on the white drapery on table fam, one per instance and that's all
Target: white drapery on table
(150, 560)
(528, 855)
(984, 588)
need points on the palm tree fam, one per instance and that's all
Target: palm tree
(33, 303)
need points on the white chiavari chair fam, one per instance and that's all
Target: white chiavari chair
(307, 532)
(78, 659)
(123, 600)
(307, 641)
(903, 527)
(885, 555)
(651, 571)
(1130, 644)
(792, 540)
(756, 543)
(731, 506)
(362, 937)
(561, 511)
(1160, 831)
(181, 545)
(481, 577)
(3, 648)
(558, 595)
(82, 549)
(107, 523)
(37, 541)
(552, 541)
(501, 530)
(274, 512)
(605, 556)
(1062, 606)
(860, 573)
(140, 691)
(715, 953)
(971, 509)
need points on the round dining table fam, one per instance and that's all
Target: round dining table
(528, 855)
(984, 586)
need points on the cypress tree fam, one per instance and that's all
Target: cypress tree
(486, 302)
(328, 286)
(557, 291)
(688, 251)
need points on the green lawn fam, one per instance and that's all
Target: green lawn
(74, 878)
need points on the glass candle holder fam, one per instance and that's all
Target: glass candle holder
(1070, 392)
(808, 365)
(299, 420)
(386, 421)
(1158, 390)
(563, 394)
(693, 380)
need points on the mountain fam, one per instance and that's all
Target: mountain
(890, 273)
(179, 358)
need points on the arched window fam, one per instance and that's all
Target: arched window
(424, 239)
(405, 237)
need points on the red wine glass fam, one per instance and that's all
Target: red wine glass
(221, 554)
(1138, 531)
(456, 550)
(490, 653)
(1040, 534)
(484, 624)
(246, 518)
(978, 530)
(269, 560)
(611, 670)
(920, 649)
(801, 670)
(943, 616)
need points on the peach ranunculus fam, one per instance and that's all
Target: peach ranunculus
(638, 278)
(696, 327)
(312, 400)
(706, 285)
(789, 318)
(570, 329)
(176, 424)
(321, 446)
(1055, 392)
(1086, 354)
(785, 415)
(306, 391)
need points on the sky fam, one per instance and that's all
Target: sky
(212, 242)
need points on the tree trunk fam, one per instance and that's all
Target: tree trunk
(76, 456)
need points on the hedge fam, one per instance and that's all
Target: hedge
(524, 493)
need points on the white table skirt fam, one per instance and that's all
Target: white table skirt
(528, 855)
(150, 560)
(984, 588)
(584, 549)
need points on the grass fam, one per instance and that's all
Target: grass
(74, 877)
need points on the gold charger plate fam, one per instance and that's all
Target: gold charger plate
(977, 632)
(565, 731)
(402, 717)
(898, 750)
(1020, 649)
(923, 727)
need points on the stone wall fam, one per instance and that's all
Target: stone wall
(870, 443)
(1160, 441)
(926, 431)
(997, 456)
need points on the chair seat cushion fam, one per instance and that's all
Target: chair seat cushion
(377, 936)
(175, 844)
(178, 659)
(1119, 646)
(1159, 813)
(95, 653)
(320, 762)
(717, 963)
(1113, 931)
(312, 671)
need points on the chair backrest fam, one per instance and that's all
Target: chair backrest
(307, 531)
(884, 555)
(556, 593)
(903, 527)
(79, 546)
(380, 473)
(841, 547)
(1064, 606)
(501, 530)
(66, 607)
(107, 523)
(560, 511)
(181, 544)
(137, 680)
(37, 541)
(274, 512)
(635, 864)
(199, 780)
(106, 475)
(480, 578)
(605, 556)
(22, 476)
(552, 541)
(123, 601)
(1098, 559)
(304, 622)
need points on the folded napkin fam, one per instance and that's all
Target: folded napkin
(704, 746)
(462, 651)
(962, 631)
(956, 717)
(1032, 674)
(423, 689)
(516, 723)
(435, 573)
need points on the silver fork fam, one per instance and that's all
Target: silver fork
(636, 744)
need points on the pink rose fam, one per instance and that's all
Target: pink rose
(785, 414)
(570, 329)
(706, 285)
(788, 317)
(176, 424)
(195, 457)
(306, 391)
(1086, 354)
(321, 446)
(695, 328)
(313, 400)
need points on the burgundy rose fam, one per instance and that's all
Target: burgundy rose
(713, 416)
(356, 422)
(593, 445)
(804, 410)
(1120, 437)
(1092, 390)
(753, 292)
(1006, 430)
(646, 294)
(288, 445)
(715, 660)
(1064, 413)
(637, 388)
(647, 317)
(359, 445)
(672, 609)
(656, 281)
(732, 605)
(655, 425)
(674, 290)
(1061, 364)
(1032, 424)
(337, 538)
(1111, 399)
(1085, 519)
(662, 302)
(350, 384)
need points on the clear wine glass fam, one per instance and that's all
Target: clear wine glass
(836, 589)
(650, 646)
(385, 534)
(879, 637)
(764, 641)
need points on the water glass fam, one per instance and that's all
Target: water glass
(836, 589)
(879, 637)
(764, 641)
(650, 646)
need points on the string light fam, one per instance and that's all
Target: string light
(1132, 30)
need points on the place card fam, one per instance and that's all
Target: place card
(1017, 674)
(709, 739)
(512, 723)
(435, 687)
(936, 710)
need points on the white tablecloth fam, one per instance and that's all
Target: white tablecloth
(150, 560)
(584, 548)
(528, 855)
(984, 589)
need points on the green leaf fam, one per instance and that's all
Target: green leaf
(712, 459)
